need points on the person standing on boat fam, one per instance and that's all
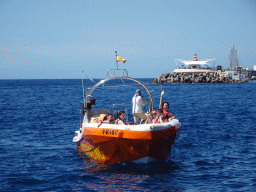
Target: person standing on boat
(165, 106)
(137, 111)
(88, 108)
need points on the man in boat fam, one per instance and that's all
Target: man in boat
(88, 108)
(108, 119)
(137, 111)
(165, 106)
(149, 118)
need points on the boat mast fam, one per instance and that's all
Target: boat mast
(116, 60)
(83, 83)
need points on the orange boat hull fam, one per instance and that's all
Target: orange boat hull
(111, 146)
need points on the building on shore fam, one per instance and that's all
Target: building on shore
(253, 73)
(234, 75)
(199, 71)
(194, 66)
(235, 71)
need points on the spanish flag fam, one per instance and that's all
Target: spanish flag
(120, 59)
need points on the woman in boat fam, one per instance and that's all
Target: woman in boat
(165, 106)
(149, 118)
(154, 113)
(165, 120)
(119, 120)
(159, 117)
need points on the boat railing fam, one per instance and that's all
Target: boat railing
(94, 114)
(125, 73)
(117, 111)
(97, 112)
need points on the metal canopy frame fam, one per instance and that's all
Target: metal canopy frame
(121, 78)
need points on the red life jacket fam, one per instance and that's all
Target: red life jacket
(156, 120)
(166, 114)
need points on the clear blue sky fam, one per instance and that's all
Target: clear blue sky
(41, 39)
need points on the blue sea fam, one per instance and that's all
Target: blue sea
(216, 150)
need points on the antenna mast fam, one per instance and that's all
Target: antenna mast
(234, 63)
(116, 60)
(83, 83)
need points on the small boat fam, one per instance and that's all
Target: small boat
(112, 143)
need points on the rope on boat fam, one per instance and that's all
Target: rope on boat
(156, 88)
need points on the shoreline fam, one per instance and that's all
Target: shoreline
(193, 78)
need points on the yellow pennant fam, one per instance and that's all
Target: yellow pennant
(120, 59)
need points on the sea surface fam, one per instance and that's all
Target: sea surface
(216, 150)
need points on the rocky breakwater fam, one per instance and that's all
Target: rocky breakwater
(195, 78)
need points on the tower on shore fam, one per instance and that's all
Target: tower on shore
(195, 57)
(234, 63)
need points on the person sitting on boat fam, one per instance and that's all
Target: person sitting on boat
(103, 117)
(159, 117)
(149, 118)
(88, 108)
(120, 119)
(165, 120)
(165, 106)
(108, 119)
(154, 113)
(137, 111)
